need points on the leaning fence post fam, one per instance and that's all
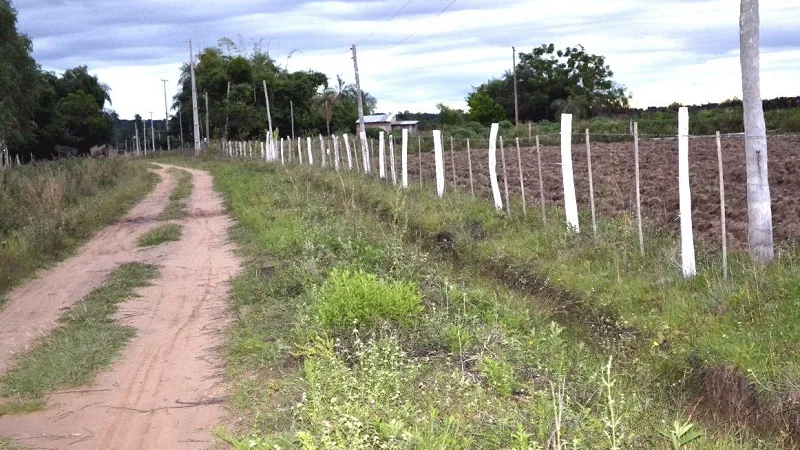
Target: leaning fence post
(347, 150)
(391, 160)
(439, 159)
(505, 178)
(723, 225)
(521, 181)
(498, 202)
(570, 203)
(469, 162)
(591, 182)
(687, 238)
(365, 152)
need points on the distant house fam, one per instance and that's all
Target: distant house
(389, 123)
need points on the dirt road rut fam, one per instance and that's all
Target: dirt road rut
(166, 390)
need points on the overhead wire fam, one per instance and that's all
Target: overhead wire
(425, 25)
(385, 21)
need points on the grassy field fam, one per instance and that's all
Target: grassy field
(372, 318)
(159, 235)
(48, 209)
(87, 340)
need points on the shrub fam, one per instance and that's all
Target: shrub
(351, 297)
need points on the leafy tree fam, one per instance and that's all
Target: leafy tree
(483, 109)
(450, 116)
(18, 81)
(551, 81)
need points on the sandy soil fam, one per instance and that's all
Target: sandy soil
(167, 389)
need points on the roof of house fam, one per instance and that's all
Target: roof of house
(379, 118)
(406, 122)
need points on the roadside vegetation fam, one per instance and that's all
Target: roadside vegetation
(159, 235)
(87, 341)
(372, 318)
(48, 209)
(177, 208)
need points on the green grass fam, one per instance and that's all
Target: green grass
(179, 197)
(483, 364)
(159, 235)
(87, 340)
(48, 209)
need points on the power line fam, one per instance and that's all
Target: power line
(387, 20)
(425, 25)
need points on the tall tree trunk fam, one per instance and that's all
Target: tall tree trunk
(759, 206)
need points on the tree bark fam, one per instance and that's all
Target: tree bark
(759, 206)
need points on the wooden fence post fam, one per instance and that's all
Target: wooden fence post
(391, 160)
(347, 150)
(541, 180)
(469, 162)
(723, 225)
(498, 202)
(381, 157)
(521, 181)
(505, 178)
(591, 183)
(335, 152)
(419, 159)
(453, 160)
(638, 187)
(687, 238)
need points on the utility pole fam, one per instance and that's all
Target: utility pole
(144, 135)
(516, 98)
(166, 114)
(361, 128)
(152, 131)
(194, 103)
(291, 110)
(136, 127)
(208, 130)
(269, 114)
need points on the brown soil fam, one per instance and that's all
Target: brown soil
(615, 188)
(167, 388)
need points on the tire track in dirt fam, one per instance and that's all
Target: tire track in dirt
(167, 388)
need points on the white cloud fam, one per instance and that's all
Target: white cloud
(663, 51)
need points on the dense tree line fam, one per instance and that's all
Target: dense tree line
(232, 75)
(39, 109)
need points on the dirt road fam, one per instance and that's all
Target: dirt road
(166, 390)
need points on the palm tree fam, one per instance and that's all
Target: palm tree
(759, 205)
(329, 99)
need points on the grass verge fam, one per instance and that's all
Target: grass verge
(48, 209)
(160, 234)
(178, 198)
(87, 340)
(349, 335)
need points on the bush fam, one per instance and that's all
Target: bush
(352, 297)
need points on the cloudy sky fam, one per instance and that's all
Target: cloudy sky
(412, 55)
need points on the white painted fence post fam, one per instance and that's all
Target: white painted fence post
(438, 154)
(391, 160)
(310, 152)
(570, 203)
(381, 157)
(404, 159)
(498, 201)
(323, 162)
(347, 149)
(687, 238)
(335, 152)
(365, 152)
(299, 150)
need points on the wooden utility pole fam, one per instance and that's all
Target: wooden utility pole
(195, 114)
(180, 122)
(144, 135)
(136, 128)
(759, 205)
(361, 128)
(516, 99)
(166, 114)
(208, 130)
(227, 97)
